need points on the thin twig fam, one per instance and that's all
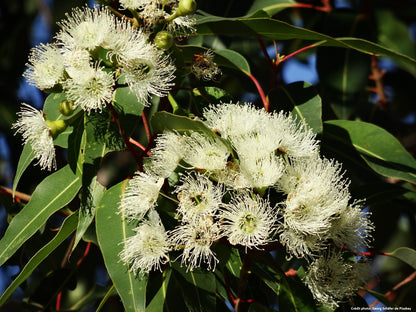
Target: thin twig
(19, 195)
(263, 97)
(146, 127)
(377, 76)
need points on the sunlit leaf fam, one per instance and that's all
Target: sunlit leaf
(25, 159)
(279, 30)
(112, 230)
(53, 193)
(381, 151)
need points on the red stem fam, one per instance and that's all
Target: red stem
(230, 294)
(58, 301)
(146, 127)
(264, 99)
(297, 52)
(325, 8)
(87, 250)
(134, 142)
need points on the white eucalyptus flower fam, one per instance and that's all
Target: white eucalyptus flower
(352, 228)
(149, 75)
(254, 131)
(333, 279)
(87, 28)
(196, 238)
(46, 66)
(134, 4)
(203, 152)
(316, 195)
(140, 195)
(248, 220)
(76, 61)
(166, 154)
(148, 249)
(35, 131)
(198, 197)
(90, 88)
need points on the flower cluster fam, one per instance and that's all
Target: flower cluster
(95, 50)
(94, 53)
(175, 14)
(251, 179)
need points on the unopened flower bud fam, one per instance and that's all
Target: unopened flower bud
(66, 107)
(186, 7)
(56, 127)
(163, 40)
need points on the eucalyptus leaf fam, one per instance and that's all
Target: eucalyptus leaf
(25, 159)
(112, 230)
(279, 30)
(302, 99)
(380, 150)
(68, 226)
(53, 193)
(406, 255)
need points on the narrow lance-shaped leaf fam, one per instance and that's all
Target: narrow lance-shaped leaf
(112, 230)
(53, 193)
(198, 288)
(166, 121)
(158, 301)
(24, 161)
(271, 7)
(68, 226)
(279, 30)
(381, 151)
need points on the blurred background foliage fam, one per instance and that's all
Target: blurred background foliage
(345, 79)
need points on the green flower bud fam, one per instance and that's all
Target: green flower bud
(186, 7)
(56, 127)
(66, 107)
(163, 40)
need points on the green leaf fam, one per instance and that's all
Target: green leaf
(51, 110)
(126, 101)
(68, 226)
(394, 33)
(166, 121)
(93, 194)
(158, 301)
(406, 255)
(99, 137)
(53, 193)
(236, 59)
(24, 161)
(380, 150)
(198, 288)
(271, 7)
(225, 58)
(343, 73)
(302, 99)
(279, 30)
(112, 230)
(294, 296)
